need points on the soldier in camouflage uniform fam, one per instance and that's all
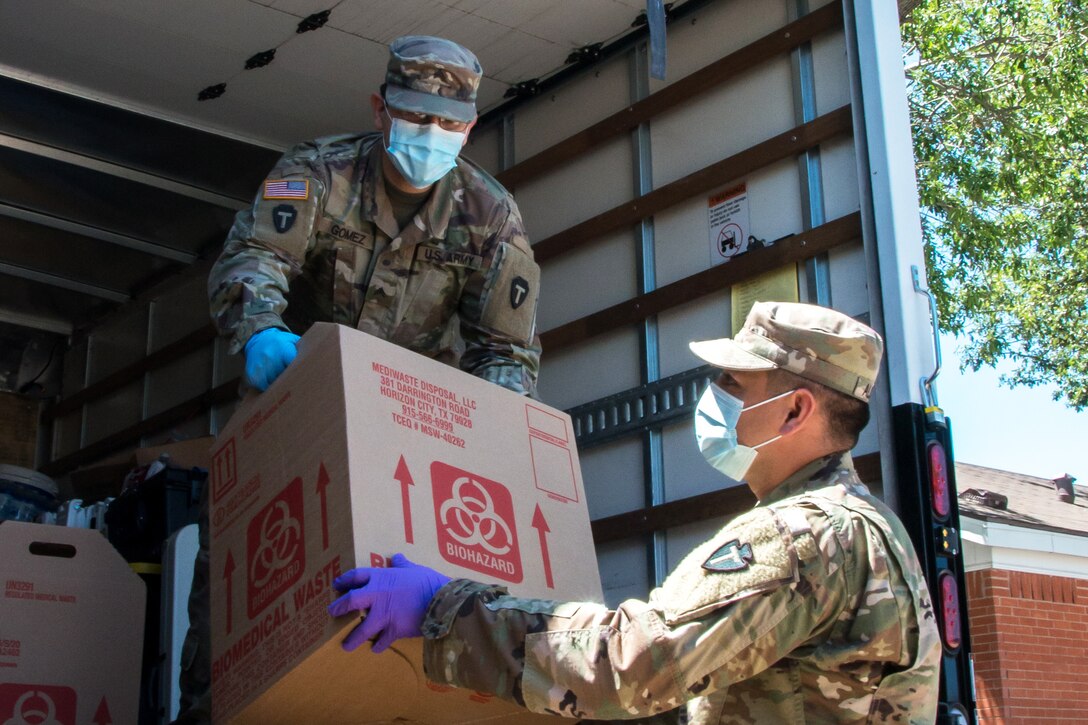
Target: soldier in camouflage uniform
(341, 233)
(392, 233)
(811, 607)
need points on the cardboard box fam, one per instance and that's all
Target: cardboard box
(71, 628)
(104, 479)
(359, 450)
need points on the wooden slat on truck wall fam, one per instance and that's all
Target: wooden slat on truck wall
(723, 504)
(690, 86)
(184, 411)
(115, 381)
(783, 146)
(792, 249)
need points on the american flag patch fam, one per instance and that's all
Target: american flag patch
(284, 189)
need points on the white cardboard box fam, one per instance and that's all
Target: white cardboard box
(71, 628)
(359, 450)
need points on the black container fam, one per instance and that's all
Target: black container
(140, 519)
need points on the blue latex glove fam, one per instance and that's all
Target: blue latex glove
(268, 353)
(395, 600)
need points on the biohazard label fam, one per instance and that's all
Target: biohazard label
(275, 548)
(37, 705)
(474, 518)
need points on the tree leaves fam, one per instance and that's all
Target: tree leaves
(999, 107)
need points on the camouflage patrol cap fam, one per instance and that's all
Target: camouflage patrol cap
(433, 76)
(815, 343)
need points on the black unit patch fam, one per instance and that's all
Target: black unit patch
(519, 291)
(283, 217)
(734, 556)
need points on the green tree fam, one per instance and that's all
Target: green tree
(999, 107)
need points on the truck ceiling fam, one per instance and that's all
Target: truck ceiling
(115, 177)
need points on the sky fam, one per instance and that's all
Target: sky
(1022, 430)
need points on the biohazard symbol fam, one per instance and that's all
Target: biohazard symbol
(280, 537)
(470, 517)
(475, 523)
(34, 708)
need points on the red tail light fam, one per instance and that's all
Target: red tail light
(950, 609)
(938, 479)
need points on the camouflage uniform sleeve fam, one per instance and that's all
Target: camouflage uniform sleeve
(498, 308)
(248, 283)
(733, 607)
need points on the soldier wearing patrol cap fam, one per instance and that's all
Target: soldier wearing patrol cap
(811, 607)
(390, 232)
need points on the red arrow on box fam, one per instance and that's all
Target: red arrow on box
(541, 526)
(405, 478)
(322, 484)
(228, 574)
(102, 714)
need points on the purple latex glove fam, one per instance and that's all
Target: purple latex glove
(395, 600)
(268, 353)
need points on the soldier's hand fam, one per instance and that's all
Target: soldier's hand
(395, 601)
(268, 353)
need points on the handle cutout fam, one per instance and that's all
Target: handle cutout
(47, 548)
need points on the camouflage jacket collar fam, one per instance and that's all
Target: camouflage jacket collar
(436, 211)
(831, 469)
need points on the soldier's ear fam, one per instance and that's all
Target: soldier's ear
(377, 107)
(468, 130)
(801, 412)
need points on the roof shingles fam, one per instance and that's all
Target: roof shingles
(1033, 502)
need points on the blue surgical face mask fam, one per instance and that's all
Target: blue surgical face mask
(422, 153)
(716, 418)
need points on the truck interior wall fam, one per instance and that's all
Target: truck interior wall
(572, 107)
(686, 471)
(839, 162)
(119, 342)
(592, 277)
(172, 316)
(597, 273)
(682, 539)
(124, 340)
(624, 571)
(225, 368)
(67, 430)
(593, 183)
(485, 147)
(703, 319)
(643, 469)
(586, 372)
(612, 474)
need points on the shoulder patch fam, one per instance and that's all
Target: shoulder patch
(754, 553)
(734, 556)
(509, 304)
(287, 189)
(284, 215)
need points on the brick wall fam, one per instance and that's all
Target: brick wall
(1029, 634)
